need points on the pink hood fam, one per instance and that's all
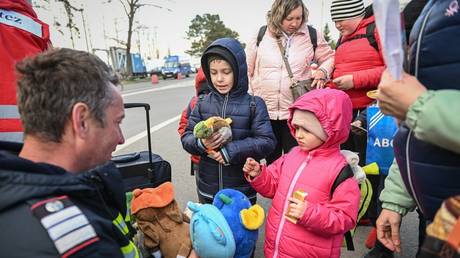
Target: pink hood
(333, 109)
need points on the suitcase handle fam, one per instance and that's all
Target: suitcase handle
(147, 116)
(135, 105)
(126, 157)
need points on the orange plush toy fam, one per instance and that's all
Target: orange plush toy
(165, 228)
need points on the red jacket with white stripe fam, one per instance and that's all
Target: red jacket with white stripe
(22, 34)
(320, 231)
(358, 58)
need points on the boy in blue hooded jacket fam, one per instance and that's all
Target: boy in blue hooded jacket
(224, 64)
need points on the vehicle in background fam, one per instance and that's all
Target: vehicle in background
(118, 59)
(138, 65)
(174, 65)
(153, 66)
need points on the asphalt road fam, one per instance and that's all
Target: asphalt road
(167, 100)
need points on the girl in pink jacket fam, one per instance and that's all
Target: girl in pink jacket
(320, 122)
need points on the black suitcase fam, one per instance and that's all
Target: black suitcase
(139, 169)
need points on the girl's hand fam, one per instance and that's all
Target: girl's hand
(319, 79)
(214, 142)
(251, 167)
(297, 208)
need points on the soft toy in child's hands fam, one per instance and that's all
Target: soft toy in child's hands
(207, 129)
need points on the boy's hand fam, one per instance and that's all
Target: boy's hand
(251, 167)
(217, 156)
(344, 82)
(297, 208)
(214, 142)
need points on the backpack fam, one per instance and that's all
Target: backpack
(366, 195)
(370, 29)
(311, 31)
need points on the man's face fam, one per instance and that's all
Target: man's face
(103, 140)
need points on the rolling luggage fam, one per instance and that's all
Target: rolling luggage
(142, 169)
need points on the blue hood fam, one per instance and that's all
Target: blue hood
(228, 48)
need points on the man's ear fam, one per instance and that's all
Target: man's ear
(80, 119)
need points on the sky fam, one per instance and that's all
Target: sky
(164, 28)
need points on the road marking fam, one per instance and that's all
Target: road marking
(175, 86)
(143, 134)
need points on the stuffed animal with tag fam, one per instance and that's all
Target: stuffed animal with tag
(165, 228)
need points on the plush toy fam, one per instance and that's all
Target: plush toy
(165, 228)
(210, 233)
(243, 219)
(205, 129)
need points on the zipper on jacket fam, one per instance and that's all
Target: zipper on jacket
(417, 54)
(224, 110)
(286, 204)
(409, 176)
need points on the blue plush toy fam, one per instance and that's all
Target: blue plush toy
(243, 219)
(210, 233)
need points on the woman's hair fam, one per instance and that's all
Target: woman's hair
(280, 10)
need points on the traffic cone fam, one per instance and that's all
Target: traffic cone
(179, 76)
(371, 169)
(155, 79)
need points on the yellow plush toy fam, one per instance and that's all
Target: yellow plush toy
(205, 129)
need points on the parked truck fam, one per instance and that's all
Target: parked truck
(174, 65)
(118, 57)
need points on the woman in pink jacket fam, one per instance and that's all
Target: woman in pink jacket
(320, 121)
(269, 79)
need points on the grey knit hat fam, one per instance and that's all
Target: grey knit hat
(346, 9)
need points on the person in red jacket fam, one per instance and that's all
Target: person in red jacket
(201, 86)
(358, 60)
(22, 34)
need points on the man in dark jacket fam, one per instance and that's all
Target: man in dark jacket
(252, 135)
(51, 202)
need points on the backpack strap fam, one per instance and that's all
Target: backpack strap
(344, 174)
(261, 34)
(311, 31)
(313, 37)
(370, 30)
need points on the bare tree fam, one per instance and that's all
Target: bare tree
(69, 10)
(131, 7)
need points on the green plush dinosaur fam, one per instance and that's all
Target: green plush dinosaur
(205, 129)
